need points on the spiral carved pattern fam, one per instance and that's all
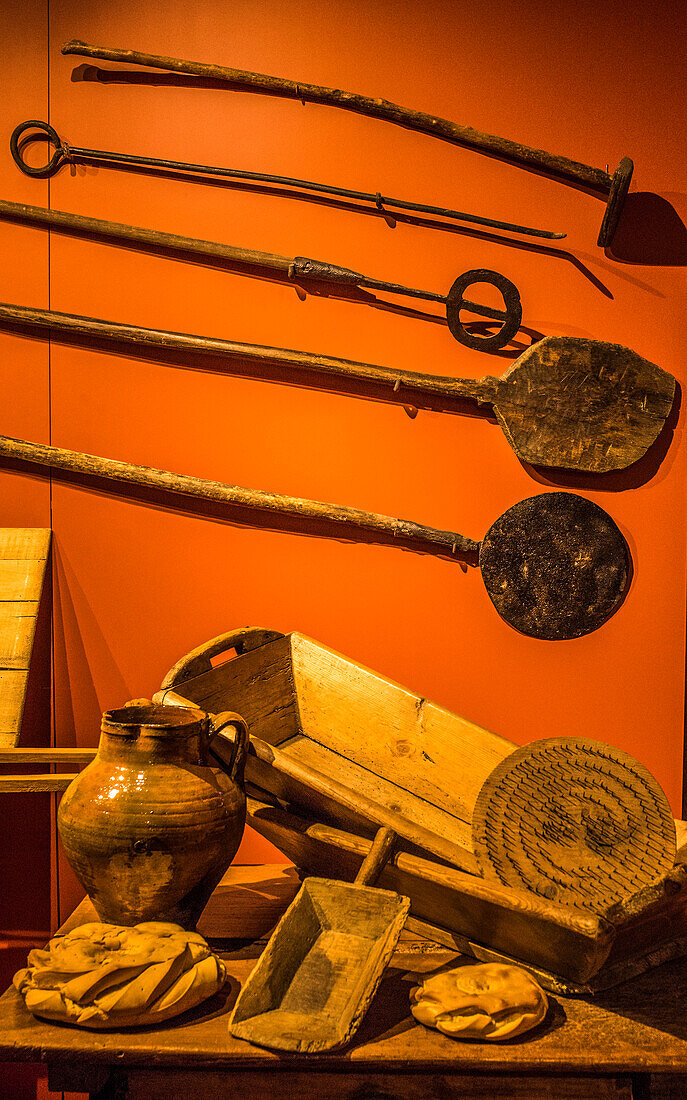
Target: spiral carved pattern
(575, 821)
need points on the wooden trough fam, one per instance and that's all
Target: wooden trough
(395, 758)
(354, 751)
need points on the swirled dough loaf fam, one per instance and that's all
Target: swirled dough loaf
(484, 1001)
(109, 976)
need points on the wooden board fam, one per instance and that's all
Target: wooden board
(23, 557)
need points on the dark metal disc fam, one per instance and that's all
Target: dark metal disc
(555, 566)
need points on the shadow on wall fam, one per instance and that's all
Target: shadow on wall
(79, 706)
(651, 231)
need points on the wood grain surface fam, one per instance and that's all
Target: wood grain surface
(23, 557)
(637, 1028)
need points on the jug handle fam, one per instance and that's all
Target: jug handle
(237, 761)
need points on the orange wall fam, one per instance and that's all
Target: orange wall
(135, 585)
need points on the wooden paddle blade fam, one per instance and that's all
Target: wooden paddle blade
(555, 566)
(583, 404)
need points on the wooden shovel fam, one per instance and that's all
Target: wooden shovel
(555, 565)
(566, 402)
(321, 967)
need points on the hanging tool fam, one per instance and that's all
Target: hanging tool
(65, 153)
(555, 565)
(566, 402)
(613, 188)
(301, 268)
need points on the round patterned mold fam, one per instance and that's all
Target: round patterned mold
(573, 820)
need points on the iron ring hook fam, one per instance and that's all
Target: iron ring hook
(511, 316)
(43, 129)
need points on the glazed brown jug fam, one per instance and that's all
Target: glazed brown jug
(149, 826)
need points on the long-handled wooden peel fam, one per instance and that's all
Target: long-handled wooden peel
(555, 565)
(566, 402)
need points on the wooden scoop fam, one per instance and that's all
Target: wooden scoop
(566, 402)
(317, 975)
(554, 565)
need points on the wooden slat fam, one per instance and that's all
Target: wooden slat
(435, 755)
(46, 756)
(34, 784)
(288, 1084)
(12, 691)
(17, 628)
(21, 580)
(23, 543)
(23, 558)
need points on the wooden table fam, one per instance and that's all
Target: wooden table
(628, 1042)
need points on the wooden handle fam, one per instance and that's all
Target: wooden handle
(199, 660)
(453, 132)
(408, 382)
(57, 458)
(61, 219)
(376, 859)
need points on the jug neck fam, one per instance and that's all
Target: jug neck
(154, 735)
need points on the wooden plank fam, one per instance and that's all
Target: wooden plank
(381, 790)
(46, 756)
(285, 1084)
(22, 543)
(23, 559)
(12, 692)
(21, 580)
(258, 686)
(399, 736)
(17, 628)
(8, 738)
(34, 784)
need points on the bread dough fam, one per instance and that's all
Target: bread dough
(483, 1001)
(110, 976)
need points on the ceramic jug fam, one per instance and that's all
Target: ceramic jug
(149, 826)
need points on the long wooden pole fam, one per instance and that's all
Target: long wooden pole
(413, 383)
(153, 238)
(453, 132)
(58, 458)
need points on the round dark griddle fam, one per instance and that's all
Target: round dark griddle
(573, 820)
(555, 566)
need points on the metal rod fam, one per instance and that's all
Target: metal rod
(69, 153)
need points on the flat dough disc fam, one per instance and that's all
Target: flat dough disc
(575, 821)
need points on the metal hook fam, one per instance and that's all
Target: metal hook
(43, 129)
